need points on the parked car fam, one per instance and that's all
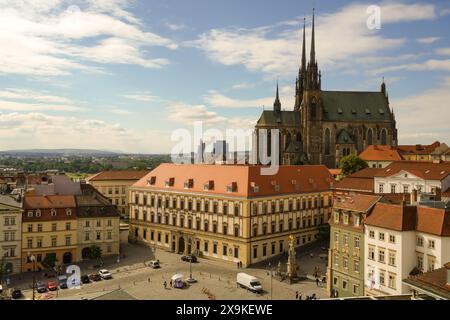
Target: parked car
(16, 293)
(95, 277)
(155, 264)
(250, 282)
(189, 258)
(41, 287)
(62, 280)
(85, 279)
(105, 274)
(52, 286)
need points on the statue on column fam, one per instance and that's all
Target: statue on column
(291, 264)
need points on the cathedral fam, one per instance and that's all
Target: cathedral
(327, 125)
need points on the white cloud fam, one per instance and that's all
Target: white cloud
(428, 65)
(416, 115)
(46, 37)
(443, 51)
(428, 40)
(243, 85)
(217, 99)
(175, 26)
(340, 37)
(24, 94)
(444, 12)
(39, 130)
(141, 96)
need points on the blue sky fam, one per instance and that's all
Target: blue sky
(124, 74)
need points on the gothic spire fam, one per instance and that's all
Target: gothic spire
(304, 47)
(313, 43)
(277, 103)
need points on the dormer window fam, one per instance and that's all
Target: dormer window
(340, 111)
(254, 187)
(336, 217)
(232, 187)
(68, 212)
(152, 181)
(189, 184)
(209, 185)
(381, 111)
(38, 213)
(357, 220)
(353, 111)
(170, 182)
(30, 214)
(52, 212)
(345, 218)
(368, 111)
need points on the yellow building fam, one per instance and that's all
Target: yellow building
(98, 223)
(420, 152)
(10, 233)
(230, 212)
(115, 185)
(49, 227)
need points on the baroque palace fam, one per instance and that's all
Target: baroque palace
(231, 213)
(328, 125)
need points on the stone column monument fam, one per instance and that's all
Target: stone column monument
(291, 264)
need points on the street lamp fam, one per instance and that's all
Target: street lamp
(32, 258)
(271, 275)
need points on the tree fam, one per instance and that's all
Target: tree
(49, 261)
(95, 252)
(324, 233)
(352, 164)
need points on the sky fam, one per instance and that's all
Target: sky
(124, 75)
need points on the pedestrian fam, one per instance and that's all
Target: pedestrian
(237, 264)
(171, 283)
(240, 263)
(300, 296)
(296, 295)
(165, 284)
(317, 281)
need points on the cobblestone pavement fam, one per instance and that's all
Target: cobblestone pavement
(216, 280)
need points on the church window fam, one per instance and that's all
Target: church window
(369, 137)
(288, 140)
(327, 141)
(313, 108)
(383, 137)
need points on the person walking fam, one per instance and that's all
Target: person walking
(171, 283)
(300, 296)
(238, 264)
(165, 284)
(317, 281)
(296, 295)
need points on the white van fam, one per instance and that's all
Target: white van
(250, 282)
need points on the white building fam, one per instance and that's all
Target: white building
(402, 240)
(406, 176)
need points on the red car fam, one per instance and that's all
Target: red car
(52, 285)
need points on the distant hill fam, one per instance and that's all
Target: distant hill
(59, 152)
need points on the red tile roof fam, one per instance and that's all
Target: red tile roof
(423, 169)
(380, 153)
(51, 202)
(362, 180)
(357, 202)
(418, 149)
(119, 175)
(406, 218)
(392, 216)
(290, 179)
(435, 282)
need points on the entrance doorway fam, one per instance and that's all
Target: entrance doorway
(67, 258)
(181, 245)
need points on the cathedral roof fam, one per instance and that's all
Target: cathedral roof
(283, 118)
(355, 106)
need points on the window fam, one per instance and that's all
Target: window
(391, 283)
(86, 236)
(29, 243)
(431, 244)
(67, 241)
(236, 252)
(281, 246)
(344, 284)
(372, 234)
(68, 212)
(281, 226)
(355, 289)
(371, 253)
(39, 243)
(224, 251)
(345, 218)
(381, 236)
(99, 223)
(38, 213)
(255, 252)
(345, 242)
(67, 226)
(405, 189)
(236, 210)
(356, 240)
(39, 227)
(109, 235)
(53, 227)
(225, 208)
(381, 255)
(391, 238)
(345, 263)
(273, 247)
(336, 259)
(382, 278)
(53, 213)
(419, 241)
(264, 250)
(357, 220)
(255, 230)
(381, 188)
(356, 266)
(109, 249)
(225, 229)
(391, 259)
(30, 214)
(87, 223)
(98, 235)
(109, 223)
(420, 262)
(54, 241)
(215, 227)
(393, 188)
(215, 248)
(431, 263)
(205, 246)
(205, 226)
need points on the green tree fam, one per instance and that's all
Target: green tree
(49, 261)
(352, 164)
(95, 253)
(324, 232)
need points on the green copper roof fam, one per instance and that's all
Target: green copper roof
(284, 118)
(355, 106)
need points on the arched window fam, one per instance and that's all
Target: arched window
(298, 137)
(269, 143)
(327, 141)
(287, 140)
(383, 137)
(369, 137)
(313, 108)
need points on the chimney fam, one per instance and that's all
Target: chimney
(437, 194)
(447, 267)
